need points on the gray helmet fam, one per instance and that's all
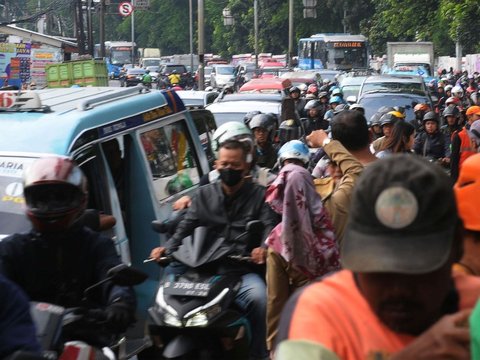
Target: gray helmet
(430, 116)
(313, 104)
(375, 119)
(388, 118)
(451, 110)
(249, 116)
(265, 121)
(340, 108)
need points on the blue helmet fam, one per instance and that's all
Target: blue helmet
(335, 99)
(294, 149)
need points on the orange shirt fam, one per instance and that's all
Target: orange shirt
(334, 314)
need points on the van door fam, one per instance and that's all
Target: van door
(206, 126)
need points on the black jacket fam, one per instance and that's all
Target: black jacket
(431, 145)
(224, 215)
(58, 271)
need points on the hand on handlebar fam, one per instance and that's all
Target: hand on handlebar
(259, 255)
(157, 253)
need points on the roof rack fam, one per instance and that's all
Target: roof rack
(89, 103)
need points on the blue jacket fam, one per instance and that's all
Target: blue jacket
(17, 331)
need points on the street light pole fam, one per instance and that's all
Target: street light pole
(133, 33)
(201, 47)
(255, 25)
(191, 33)
(290, 33)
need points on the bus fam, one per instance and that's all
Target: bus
(117, 53)
(333, 51)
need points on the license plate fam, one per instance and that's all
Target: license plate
(184, 288)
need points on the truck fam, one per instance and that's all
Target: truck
(149, 57)
(90, 72)
(411, 58)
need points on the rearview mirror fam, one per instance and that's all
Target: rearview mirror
(125, 275)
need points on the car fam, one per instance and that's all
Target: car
(196, 98)
(159, 145)
(134, 76)
(302, 77)
(372, 101)
(350, 85)
(269, 85)
(408, 84)
(167, 69)
(225, 110)
(222, 75)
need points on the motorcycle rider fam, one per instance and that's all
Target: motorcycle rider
(147, 79)
(174, 78)
(314, 119)
(419, 110)
(60, 257)
(263, 129)
(431, 142)
(225, 207)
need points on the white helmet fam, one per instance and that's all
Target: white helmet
(457, 91)
(303, 87)
(232, 130)
(209, 88)
(448, 88)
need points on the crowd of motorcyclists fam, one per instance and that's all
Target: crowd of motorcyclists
(328, 185)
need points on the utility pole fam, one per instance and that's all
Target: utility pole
(133, 33)
(80, 33)
(190, 28)
(290, 33)
(102, 28)
(255, 25)
(201, 46)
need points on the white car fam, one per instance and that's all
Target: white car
(222, 75)
(226, 110)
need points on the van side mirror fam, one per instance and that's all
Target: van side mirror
(352, 99)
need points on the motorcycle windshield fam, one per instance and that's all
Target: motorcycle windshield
(201, 248)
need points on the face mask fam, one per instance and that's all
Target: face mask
(231, 177)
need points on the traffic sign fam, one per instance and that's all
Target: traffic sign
(142, 4)
(125, 8)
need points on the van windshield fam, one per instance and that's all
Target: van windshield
(12, 213)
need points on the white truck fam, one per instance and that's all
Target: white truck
(149, 57)
(406, 57)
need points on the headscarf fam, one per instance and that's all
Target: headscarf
(305, 236)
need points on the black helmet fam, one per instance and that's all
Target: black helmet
(430, 116)
(340, 108)
(248, 117)
(294, 89)
(313, 104)
(289, 130)
(451, 110)
(55, 192)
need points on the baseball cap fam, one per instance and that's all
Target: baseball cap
(402, 218)
(473, 110)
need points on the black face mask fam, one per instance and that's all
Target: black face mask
(231, 177)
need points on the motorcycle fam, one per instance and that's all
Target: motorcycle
(194, 315)
(85, 327)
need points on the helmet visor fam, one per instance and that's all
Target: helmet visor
(52, 198)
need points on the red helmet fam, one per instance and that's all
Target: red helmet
(312, 89)
(55, 192)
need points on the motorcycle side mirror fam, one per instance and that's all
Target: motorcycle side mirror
(254, 227)
(125, 275)
(160, 226)
(122, 275)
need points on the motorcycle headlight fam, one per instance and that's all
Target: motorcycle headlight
(202, 317)
(171, 320)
